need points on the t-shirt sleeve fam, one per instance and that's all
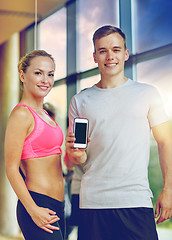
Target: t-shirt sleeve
(157, 113)
(73, 113)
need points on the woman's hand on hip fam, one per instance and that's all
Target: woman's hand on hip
(44, 217)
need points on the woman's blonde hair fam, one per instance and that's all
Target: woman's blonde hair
(24, 62)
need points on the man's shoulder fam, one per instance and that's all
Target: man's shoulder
(143, 85)
(84, 92)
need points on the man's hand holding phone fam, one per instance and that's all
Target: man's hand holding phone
(80, 132)
(74, 155)
(76, 143)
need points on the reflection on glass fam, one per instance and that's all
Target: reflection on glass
(58, 98)
(158, 72)
(153, 20)
(92, 14)
(88, 82)
(53, 40)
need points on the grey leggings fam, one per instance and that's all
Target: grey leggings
(30, 230)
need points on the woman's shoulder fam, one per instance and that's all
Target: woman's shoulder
(21, 114)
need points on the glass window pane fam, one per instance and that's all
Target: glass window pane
(88, 82)
(58, 98)
(92, 14)
(158, 72)
(53, 40)
(153, 20)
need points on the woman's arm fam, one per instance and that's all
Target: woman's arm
(20, 125)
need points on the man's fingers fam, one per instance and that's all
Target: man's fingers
(164, 215)
(159, 220)
(157, 210)
(70, 139)
(70, 134)
(69, 145)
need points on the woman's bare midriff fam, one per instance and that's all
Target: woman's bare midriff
(44, 175)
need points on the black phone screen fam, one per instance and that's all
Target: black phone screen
(80, 132)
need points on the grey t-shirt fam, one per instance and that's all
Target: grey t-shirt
(76, 179)
(120, 121)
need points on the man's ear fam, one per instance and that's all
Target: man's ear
(127, 55)
(94, 56)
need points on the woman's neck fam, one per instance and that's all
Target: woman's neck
(36, 104)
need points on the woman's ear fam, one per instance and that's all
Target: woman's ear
(21, 75)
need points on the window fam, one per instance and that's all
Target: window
(152, 22)
(92, 14)
(88, 82)
(158, 72)
(53, 40)
(58, 98)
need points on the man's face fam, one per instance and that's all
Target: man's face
(110, 54)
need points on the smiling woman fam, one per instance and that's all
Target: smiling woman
(33, 142)
(40, 72)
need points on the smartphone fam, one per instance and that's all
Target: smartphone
(80, 132)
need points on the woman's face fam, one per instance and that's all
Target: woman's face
(39, 76)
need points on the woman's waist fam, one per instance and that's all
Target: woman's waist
(44, 175)
(50, 186)
(44, 200)
(42, 169)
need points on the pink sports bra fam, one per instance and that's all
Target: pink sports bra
(44, 140)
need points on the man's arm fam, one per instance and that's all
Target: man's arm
(163, 137)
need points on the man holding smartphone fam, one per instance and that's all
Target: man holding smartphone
(115, 198)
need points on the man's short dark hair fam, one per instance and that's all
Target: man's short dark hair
(107, 30)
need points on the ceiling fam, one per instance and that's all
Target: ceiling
(19, 14)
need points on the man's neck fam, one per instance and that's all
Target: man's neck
(111, 82)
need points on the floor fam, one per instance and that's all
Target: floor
(18, 237)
